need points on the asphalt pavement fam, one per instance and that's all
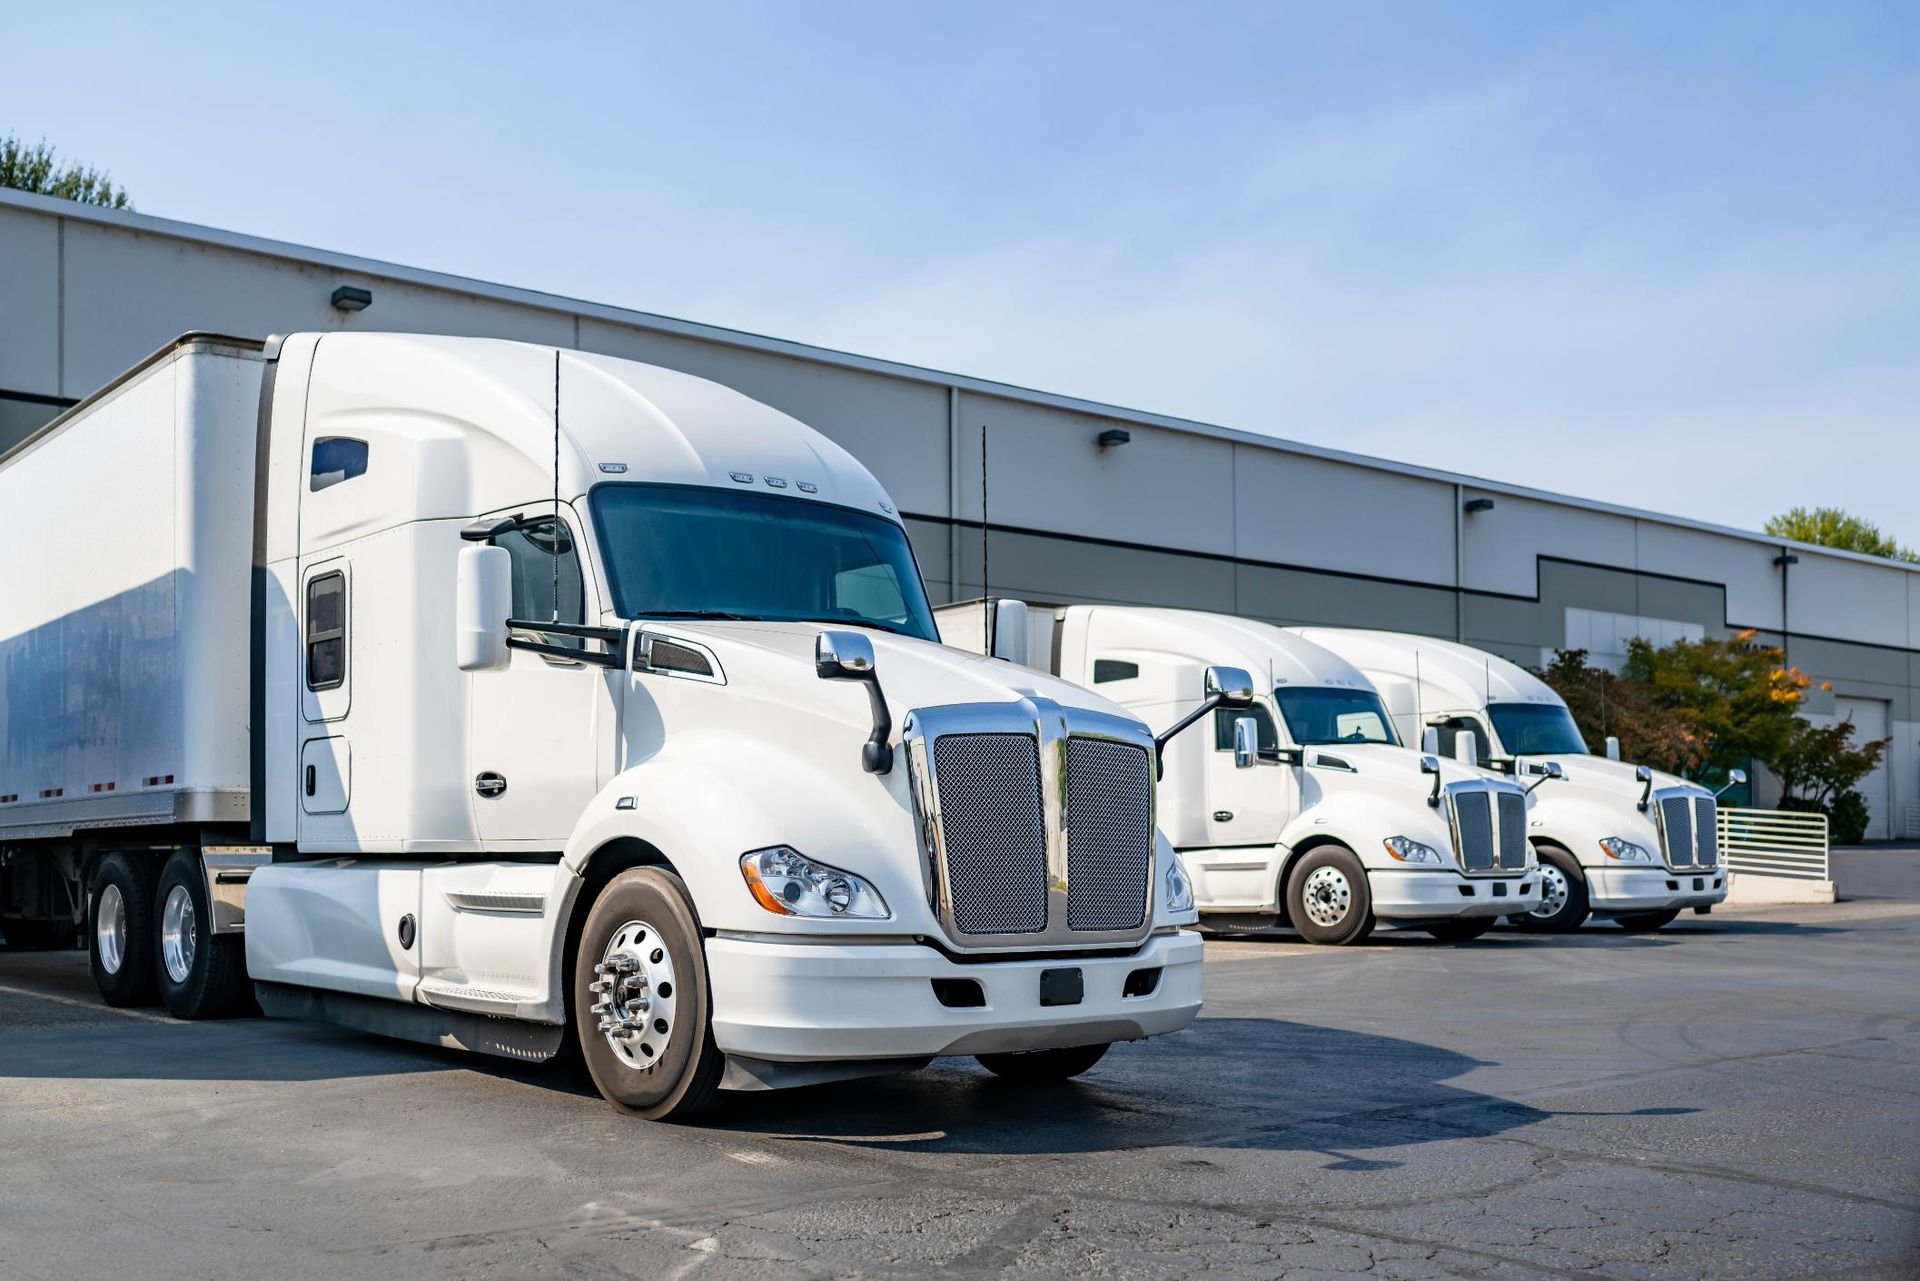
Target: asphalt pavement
(1734, 1097)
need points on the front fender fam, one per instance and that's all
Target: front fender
(1363, 823)
(1577, 823)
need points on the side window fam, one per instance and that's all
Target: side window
(1224, 718)
(532, 547)
(1117, 669)
(327, 631)
(335, 459)
(1451, 729)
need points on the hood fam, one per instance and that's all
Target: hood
(1383, 760)
(1602, 777)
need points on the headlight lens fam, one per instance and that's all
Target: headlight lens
(1179, 887)
(1408, 850)
(1624, 850)
(788, 883)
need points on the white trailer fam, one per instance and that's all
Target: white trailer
(1304, 808)
(490, 695)
(1621, 842)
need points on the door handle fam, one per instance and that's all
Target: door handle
(313, 778)
(489, 784)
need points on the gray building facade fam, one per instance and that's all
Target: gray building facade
(1183, 513)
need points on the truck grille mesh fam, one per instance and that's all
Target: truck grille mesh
(1513, 831)
(1689, 834)
(994, 834)
(1109, 834)
(1492, 829)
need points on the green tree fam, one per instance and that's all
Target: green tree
(1604, 705)
(1738, 700)
(36, 168)
(1833, 527)
(1821, 763)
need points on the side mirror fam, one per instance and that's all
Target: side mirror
(848, 656)
(1229, 687)
(1613, 748)
(1735, 777)
(1466, 747)
(1430, 764)
(1010, 631)
(1430, 741)
(1246, 742)
(1548, 772)
(483, 600)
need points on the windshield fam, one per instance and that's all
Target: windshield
(680, 552)
(1536, 729)
(1334, 716)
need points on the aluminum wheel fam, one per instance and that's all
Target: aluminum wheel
(1328, 895)
(634, 982)
(1553, 891)
(110, 930)
(177, 934)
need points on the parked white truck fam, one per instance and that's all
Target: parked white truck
(1617, 841)
(1303, 809)
(715, 802)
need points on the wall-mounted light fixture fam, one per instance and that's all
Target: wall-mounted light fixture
(1112, 438)
(352, 298)
(1478, 505)
(1785, 559)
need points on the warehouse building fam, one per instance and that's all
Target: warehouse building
(1075, 500)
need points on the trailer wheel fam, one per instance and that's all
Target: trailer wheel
(120, 944)
(201, 975)
(1461, 931)
(1646, 922)
(1563, 894)
(642, 1005)
(1043, 1065)
(1328, 899)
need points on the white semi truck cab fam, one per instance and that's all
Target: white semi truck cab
(1614, 840)
(1304, 809)
(488, 694)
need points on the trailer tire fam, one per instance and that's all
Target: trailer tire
(646, 914)
(1563, 894)
(120, 940)
(1646, 922)
(1341, 910)
(1044, 1065)
(201, 975)
(1465, 930)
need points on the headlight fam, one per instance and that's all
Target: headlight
(1625, 851)
(1408, 850)
(788, 883)
(1179, 888)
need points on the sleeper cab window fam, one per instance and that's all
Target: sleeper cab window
(1113, 669)
(336, 459)
(327, 631)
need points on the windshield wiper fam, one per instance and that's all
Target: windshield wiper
(859, 622)
(698, 613)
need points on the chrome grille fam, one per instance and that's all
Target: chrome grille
(1689, 832)
(1109, 821)
(1473, 822)
(1513, 832)
(1706, 832)
(993, 830)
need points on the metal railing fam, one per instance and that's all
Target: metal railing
(1775, 843)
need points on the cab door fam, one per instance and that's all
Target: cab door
(1247, 806)
(534, 727)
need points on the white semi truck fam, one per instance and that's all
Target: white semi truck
(1617, 841)
(1303, 809)
(491, 695)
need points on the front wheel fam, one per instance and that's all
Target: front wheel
(201, 975)
(1461, 931)
(1563, 894)
(642, 1005)
(1328, 899)
(1646, 922)
(1043, 1065)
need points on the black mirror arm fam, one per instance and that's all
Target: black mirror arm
(1161, 740)
(876, 754)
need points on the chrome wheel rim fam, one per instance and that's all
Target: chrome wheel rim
(1328, 895)
(176, 933)
(1553, 892)
(636, 995)
(110, 929)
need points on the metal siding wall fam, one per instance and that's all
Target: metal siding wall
(1330, 515)
(29, 320)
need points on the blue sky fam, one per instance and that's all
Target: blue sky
(1665, 255)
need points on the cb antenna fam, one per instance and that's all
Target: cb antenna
(556, 485)
(986, 593)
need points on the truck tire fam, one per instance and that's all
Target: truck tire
(1328, 899)
(1461, 931)
(1044, 1065)
(120, 942)
(1563, 894)
(642, 1005)
(1646, 922)
(201, 975)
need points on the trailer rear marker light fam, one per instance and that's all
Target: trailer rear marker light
(157, 780)
(102, 787)
(49, 793)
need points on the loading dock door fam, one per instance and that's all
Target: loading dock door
(1869, 716)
